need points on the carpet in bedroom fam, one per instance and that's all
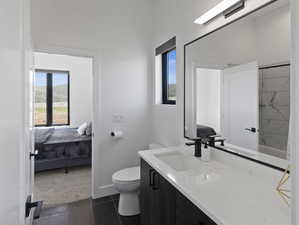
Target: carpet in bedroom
(55, 187)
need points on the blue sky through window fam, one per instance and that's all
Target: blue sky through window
(172, 67)
(58, 79)
(41, 79)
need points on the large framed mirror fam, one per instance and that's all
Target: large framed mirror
(237, 85)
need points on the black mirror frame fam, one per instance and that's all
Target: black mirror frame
(201, 37)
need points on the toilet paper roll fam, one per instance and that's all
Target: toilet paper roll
(117, 134)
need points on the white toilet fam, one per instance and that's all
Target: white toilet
(127, 182)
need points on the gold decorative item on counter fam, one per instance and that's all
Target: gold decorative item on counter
(282, 191)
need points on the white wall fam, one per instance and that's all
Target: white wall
(216, 50)
(80, 82)
(119, 32)
(265, 37)
(276, 24)
(14, 123)
(208, 98)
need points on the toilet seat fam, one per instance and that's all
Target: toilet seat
(128, 175)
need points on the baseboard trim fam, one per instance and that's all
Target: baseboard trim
(103, 191)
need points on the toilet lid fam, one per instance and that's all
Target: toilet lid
(127, 175)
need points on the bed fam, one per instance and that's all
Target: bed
(61, 148)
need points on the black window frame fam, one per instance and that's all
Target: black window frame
(49, 101)
(165, 99)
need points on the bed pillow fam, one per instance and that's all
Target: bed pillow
(89, 129)
(82, 129)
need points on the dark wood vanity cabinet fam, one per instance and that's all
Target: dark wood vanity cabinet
(162, 204)
(156, 198)
(188, 214)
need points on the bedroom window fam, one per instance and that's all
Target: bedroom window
(51, 98)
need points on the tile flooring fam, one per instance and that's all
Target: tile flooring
(102, 211)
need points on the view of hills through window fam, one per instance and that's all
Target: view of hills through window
(56, 83)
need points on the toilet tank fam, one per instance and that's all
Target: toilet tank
(155, 146)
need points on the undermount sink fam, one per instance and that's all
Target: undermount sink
(189, 166)
(179, 161)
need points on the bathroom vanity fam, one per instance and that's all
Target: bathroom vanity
(162, 204)
(178, 188)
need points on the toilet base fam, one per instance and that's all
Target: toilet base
(129, 204)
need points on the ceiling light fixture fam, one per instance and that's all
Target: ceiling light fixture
(228, 7)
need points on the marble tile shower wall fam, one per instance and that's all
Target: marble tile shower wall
(274, 107)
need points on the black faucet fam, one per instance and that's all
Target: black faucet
(212, 140)
(209, 140)
(197, 143)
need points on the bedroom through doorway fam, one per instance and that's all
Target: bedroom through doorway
(62, 117)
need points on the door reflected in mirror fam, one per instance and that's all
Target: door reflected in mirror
(237, 83)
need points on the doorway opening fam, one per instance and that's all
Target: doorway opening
(63, 105)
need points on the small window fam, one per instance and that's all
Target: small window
(169, 77)
(51, 98)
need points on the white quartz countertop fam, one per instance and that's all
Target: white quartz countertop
(230, 191)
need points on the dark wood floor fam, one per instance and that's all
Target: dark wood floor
(102, 211)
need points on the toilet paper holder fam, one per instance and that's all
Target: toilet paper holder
(116, 134)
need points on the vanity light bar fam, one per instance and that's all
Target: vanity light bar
(218, 9)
